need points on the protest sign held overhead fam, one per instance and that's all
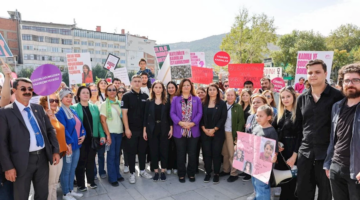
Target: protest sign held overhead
(304, 57)
(197, 59)
(278, 83)
(180, 57)
(79, 67)
(180, 72)
(222, 58)
(46, 79)
(250, 155)
(164, 74)
(202, 75)
(4, 48)
(122, 74)
(239, 73)
(111, 62)
(272, 72)
(161, 53)
(2, 79)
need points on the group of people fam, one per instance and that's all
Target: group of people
(58, 139)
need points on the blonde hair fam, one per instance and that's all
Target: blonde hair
(241, 102)
(273, 103)
(281, 108)
(257, 95)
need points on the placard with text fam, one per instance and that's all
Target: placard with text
(239, 73)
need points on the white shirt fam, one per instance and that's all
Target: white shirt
(228, 127)
(145, 90)
(33, 146)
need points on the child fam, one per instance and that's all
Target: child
(263, 117)
(142, 65)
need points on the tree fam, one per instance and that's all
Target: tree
(346, 37)
(25, 72)
(341, 58)
(248, 37)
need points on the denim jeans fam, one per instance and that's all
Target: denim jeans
(68, 172)
(101, 161)
(6, 190)
(262, 190)
(113, 158)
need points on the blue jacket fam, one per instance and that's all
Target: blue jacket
(70, 132)
(355, 139)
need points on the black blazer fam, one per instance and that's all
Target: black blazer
(15, 137)
(149, 118)
(219, 118)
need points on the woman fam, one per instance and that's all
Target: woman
(75, 136)
(90, 117)
(186, 113)
(158, 128)
(101, 85)
(111, 121)
(171, 89)
(271, 101)
(87, 76)
(285, 125)
(245, 102)
(307, 86)
(121, 92)
(213, 131)
(300, 86)
(94, 97)
(201, 92)
(55, 170)
(234, 122)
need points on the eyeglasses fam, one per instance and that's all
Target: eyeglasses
(23, 89)
(95, 90)
(54, 100)
(268, 96)
(111, 90)
(354, 81)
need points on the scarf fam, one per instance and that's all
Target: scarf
(186, 110)
(68, 112)
(109, 104)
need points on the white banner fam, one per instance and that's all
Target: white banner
(164, 74)
(76, 62)
(122, 74)
(198, 59)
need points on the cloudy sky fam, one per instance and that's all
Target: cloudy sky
(168, 21)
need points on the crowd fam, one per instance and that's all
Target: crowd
(315, 127)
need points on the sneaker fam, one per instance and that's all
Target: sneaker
(75, 194)
(68, 197)
(174, 171)
(242, 174)
(207, 178)
(168, 171)
(82, 189)
(216, 178)
(115, 184)
(93, 186)
(251, 197)
(103, 176)
(146, 175)
(232, 179)
(121, 179)
(96, 178)
(126, 169)
(132, 178)
(247, 178)
(163, 176)
(156, 177)
(224, 174)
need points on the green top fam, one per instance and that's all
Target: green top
(97, 127)
(115, 125)
(238, 120)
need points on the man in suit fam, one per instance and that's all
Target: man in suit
(27, 143)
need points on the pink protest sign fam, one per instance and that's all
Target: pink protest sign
(253, 155)
(278, 83)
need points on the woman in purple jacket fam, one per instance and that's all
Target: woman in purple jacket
(186, 113)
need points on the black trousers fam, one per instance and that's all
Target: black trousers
(136, 144)
(186, 146)
(211, 149)
(310, 175)
(343, 187)
(287, 189)
(38, 173)
(159, 150)
(199, 145)
(123, 148)
(86, 164)
(172, 156)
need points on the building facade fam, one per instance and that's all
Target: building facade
(9, 30)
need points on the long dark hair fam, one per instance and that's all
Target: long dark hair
(167, 85)
(86, 74)
(179, 91)
(98, 87)
(163, 94)
(207, 98)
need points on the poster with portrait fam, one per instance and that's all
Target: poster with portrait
(79, 68)
(253, 155)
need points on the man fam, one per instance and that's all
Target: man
(266, 85)
(313, 117)
(249, 85)
(117, 83)
(342, 163)
(144, 83)
(27, 143)
(133, 114)
(226, 85)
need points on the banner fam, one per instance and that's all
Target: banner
(272, 72)
(76, 65)
(4, 48)
(304, 57)
(46, 79)
(180, 72)
(180, 57)
(111, 62)
(122, 74)
(253, 155)
(164, 74)
(197, 59)
(202, 75)
(239, 73)
(161, 53)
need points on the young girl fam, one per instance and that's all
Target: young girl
(264, 117)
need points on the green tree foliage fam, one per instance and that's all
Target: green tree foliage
(248, 37)
(25, 72)
(341, 58)
(346, 37)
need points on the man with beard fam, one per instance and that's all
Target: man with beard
(313, 117)
(342, 163)
(266, 85)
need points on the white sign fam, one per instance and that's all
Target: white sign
(111, 62)
(198, 59)
(179, 57)
(2, 79)
(122, 74)
(272, 72)
(76, 63)
(164, 74)
(304, 57)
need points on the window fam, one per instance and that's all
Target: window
(97, 52)
(26, 37)
(103, 61)
(66, 41)
(76, 50)
(41, 29)
(104, 53)
(76, 41)
(65, 32)
(116, 53)
(28, 47)
(41, 39)
(52, 40)
(84, 50)
(65, 50)
(122, 54)
(26, 28)
(91, 43)
(122, 47)
(97, 44)
(62, 59)
(83, 42)
(26, 57)
(116, 46)
(110, 46)
(31, 56)
(52, 30)
(103, 44)
(55, 49)
(91, 51)
(42, 48)
(122, 61)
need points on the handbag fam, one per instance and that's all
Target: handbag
(95, 141)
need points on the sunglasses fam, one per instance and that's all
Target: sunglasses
(226, 85)
(111, 90)
(121, 92)
(54, 100)
(23, 89)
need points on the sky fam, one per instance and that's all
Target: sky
(168, 21)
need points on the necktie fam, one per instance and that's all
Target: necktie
(36, 129)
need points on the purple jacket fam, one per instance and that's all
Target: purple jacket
(176, 116)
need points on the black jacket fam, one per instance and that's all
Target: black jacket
(219, 118)
(149, 119)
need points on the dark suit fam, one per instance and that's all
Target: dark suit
(14, 150)
(158, 142)
(212, 146)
